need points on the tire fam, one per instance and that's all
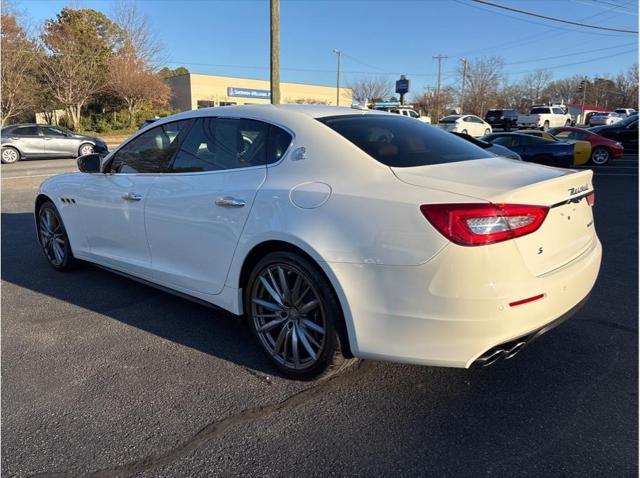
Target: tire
(567, 123)
(600, 156)
(545, 126)
(487, 131)
(464, 131)
(507, 127)
(86, 148)
(53, 238)
(291, 306)
(10, 155)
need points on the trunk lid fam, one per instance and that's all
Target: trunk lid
(567, 231)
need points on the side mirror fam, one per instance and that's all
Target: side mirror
(90, 163)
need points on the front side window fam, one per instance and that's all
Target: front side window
(402, 142)
(51, 131)
(215, 144)
(150, 152)
(558, 111)
(26, 131)
(413, 114)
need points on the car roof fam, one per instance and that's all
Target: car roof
(267, 112)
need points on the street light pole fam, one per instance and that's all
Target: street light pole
(275, 52)
(439, 58)
(339, 54)
(464, 78)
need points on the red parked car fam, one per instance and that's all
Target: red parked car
(602, 149)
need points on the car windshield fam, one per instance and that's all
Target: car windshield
(398, 141)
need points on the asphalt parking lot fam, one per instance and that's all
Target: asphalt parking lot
(104, 376)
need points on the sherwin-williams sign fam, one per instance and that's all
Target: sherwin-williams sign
(248, 93)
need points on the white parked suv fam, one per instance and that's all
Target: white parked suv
(411, 114)
(544, 117)
(465, 124)
(625, 111)
(600, 119)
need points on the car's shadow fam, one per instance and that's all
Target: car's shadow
(204, 329)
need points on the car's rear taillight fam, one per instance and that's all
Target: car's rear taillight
(472, 224)
(591, 199)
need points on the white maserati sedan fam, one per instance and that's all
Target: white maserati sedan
(336, 232)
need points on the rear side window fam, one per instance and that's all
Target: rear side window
(558, 111)
(215, 144)
(277, 144)
(401, 142)
(539, 111)
(26, 131)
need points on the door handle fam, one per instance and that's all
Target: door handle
(132, 197)
(47, 139)
(228, 201)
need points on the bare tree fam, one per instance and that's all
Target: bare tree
(484, 76)
(19, 58)
(130, 73)
(373, 88)
(428, 103)
(537, 82)
(79, 45)
(565, 89)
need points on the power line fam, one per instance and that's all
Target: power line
(569, 54)
(575, 63)
(553, 19)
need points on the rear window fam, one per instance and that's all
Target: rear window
(449, 119)
(494, 113)
(401, 142)
(539, 111)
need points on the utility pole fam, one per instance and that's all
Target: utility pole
(464, 78)
(584, 97)
(440, 57)
(275, 52)
(339, 54)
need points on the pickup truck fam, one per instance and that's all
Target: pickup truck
(544, 117)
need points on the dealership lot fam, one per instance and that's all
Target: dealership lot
(103, 375)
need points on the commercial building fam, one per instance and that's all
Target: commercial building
(193, 91)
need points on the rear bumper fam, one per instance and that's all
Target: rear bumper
(508, 350)
(453, 309)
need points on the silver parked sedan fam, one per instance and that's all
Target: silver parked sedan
(21, 141)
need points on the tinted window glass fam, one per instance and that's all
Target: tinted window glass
(565, 135)
(279, 141)
(449, 119)
(51, 131)
(402, 142)
(558, 111)
(150, 152)
(215, 144)
(26, 131)
(413, 114)
(507, 141)
(539, 111)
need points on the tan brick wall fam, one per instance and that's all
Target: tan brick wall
(214, 88)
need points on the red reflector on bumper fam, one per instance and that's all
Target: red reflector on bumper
(524, 301)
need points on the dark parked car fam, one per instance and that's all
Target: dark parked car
(20, 141)
(505, 119)
(625, 132)
(534, 149)
(494, 148)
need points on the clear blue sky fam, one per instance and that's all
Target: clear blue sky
(381, 37)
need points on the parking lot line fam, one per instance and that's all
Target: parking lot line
(29, 176)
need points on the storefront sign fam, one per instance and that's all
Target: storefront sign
(248, 93)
